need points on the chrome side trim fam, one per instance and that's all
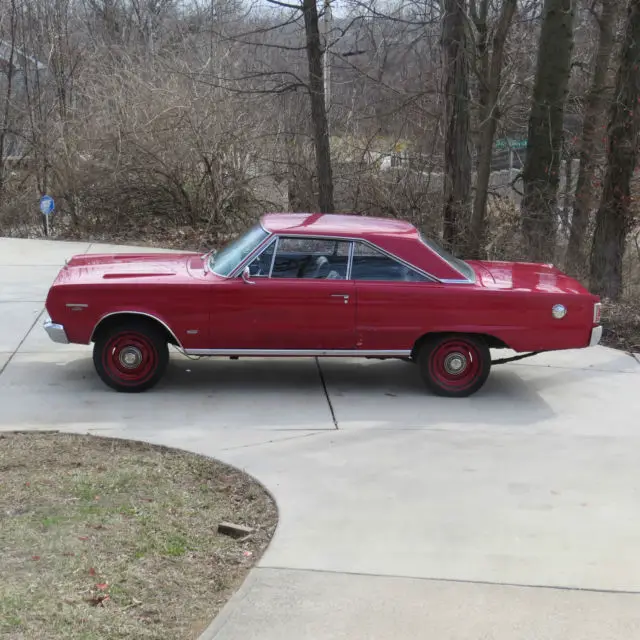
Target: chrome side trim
(135, 313)
(345, 353)
(452, 281)
(56, 332)
(596, 335)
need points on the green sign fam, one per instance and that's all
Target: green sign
(511, 143)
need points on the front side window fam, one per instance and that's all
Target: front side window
(311, 258)
(226, 260)
(371, 264)
(260, 266)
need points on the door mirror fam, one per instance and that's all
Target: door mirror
(246, 276)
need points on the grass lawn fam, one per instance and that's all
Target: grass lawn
(103, 538)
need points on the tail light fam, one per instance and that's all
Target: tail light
(597, 312)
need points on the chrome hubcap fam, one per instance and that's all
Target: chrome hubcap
(455, 363)
(130, 357)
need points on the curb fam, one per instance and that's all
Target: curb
(230, 607)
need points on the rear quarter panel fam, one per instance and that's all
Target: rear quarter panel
(395, 315)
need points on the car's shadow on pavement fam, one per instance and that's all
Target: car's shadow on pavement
(283, 393)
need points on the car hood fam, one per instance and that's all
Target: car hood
(127, 266)
(524, 276)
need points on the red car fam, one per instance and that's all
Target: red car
(318, 285)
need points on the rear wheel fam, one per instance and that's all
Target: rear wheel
(131, 357)
(455, 366)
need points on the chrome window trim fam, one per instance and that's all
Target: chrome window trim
(273, 257)
(272, 237)
(463, 280)
(251, 256)
(273, 240)
(352, 240)
(391, 257)
(352, 248)
(346, 353)
(135, 313)
(452, 281)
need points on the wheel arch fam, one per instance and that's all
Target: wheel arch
(491, 341)
(116, 317)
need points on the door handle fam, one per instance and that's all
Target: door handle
(344, 296)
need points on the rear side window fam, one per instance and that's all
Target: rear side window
(374, 265)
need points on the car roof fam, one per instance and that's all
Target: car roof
(348, 225)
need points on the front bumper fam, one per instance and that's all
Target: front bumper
(596, 335)
(56, 332)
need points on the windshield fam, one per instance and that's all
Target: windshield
(456, 263)
(227, 259)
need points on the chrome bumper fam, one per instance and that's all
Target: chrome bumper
(596, 335)
(56, 332)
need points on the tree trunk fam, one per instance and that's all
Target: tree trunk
(6, 113)
(594, 113)
(318, 110)
(545, 136)
(567, 196)
(613, 220)
(457, 169)
(488, 124)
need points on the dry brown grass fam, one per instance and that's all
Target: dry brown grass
(621, 322)
(109, 539)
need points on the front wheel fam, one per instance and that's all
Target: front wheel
(454, 366)
(131, 357)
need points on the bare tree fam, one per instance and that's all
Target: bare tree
(318, 107)
(541, 174)
(8, 56)
(614, 219)
(457, 155)
(590, 145)
(489, 66)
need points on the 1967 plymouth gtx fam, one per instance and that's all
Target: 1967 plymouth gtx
(318, 285)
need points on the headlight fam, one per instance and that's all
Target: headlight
(559, 311)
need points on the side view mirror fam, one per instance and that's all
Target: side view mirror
(246, 276)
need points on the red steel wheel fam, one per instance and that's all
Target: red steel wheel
(454, 365)
(131, 357)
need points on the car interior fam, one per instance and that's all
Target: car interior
(332, 264)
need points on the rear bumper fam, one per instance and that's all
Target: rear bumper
(596, 335)
(56, 332)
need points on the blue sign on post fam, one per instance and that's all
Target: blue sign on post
(47, 205)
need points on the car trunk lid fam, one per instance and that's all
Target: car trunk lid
(524, 276)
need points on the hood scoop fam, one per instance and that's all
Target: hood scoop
(133, 270)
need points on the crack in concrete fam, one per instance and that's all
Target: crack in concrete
(26, 335)
(488, 583)
(323, 382)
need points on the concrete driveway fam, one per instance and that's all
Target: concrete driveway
(511, 514)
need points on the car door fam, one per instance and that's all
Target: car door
(392, 308)
(296, 298)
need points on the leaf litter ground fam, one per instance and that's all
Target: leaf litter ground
(106, 539)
